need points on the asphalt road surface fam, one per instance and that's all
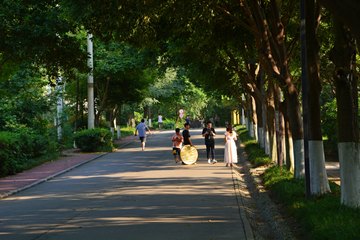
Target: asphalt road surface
(131, 194)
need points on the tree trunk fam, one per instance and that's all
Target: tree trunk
(254, 118)
(108, 117)
(131, 121)
(112, 114)
(343, 56)
(318, 177)
(278, 125)
(259, 115)
(289, 152)
(145, 112)
(77, 105)
(271, 123)
(266, 131)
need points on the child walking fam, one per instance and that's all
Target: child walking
(177, 140)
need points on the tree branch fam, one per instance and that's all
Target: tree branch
(220, 9)
(2, 64)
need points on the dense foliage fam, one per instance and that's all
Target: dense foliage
(17, 150)
(94, 140)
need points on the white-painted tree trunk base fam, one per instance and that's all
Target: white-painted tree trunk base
(118, 132)
(246, 124)
(273, 150)
(349, 158)
(255, 132)
(251, 129)
(283, 149)
(112, 130)
(319, 183)
(261, 137)
(299, 171)
(290, 162)
(267, 143)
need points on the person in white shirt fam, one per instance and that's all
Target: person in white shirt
(160, 121)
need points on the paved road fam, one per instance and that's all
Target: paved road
(130, 194)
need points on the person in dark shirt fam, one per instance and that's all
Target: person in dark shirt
(209, 133)
(186, 135)
(217, 120)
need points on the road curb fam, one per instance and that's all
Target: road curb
(269, 211)
(247, 228)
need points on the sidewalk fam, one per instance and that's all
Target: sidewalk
(333, 171)
(21, 181)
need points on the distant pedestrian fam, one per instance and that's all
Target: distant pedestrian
(187, 120)
(160, 121)
(202, 122)
(186, 135)
(230, 154)
(217, 120)
(177, 140)
(209, 133)
(212, 121)
(141, 128)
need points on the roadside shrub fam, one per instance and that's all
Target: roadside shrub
(168, 124)
(94, 140)
(16, 149)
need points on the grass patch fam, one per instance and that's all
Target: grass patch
(256, 155)
(322, 217)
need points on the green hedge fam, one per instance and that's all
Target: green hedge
(94, 140)
(16, 149)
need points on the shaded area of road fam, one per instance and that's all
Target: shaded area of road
(130, 194)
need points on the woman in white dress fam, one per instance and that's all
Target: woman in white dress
(230, 155)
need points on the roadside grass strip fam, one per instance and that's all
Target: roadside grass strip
(256, 155)
(322, 217)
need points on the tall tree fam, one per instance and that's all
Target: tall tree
(318, 176)
(38, 32)
(343, 56)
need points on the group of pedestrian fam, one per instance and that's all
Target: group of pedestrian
(230, 152)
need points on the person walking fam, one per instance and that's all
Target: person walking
(202, 122)
(177, 140)
(186, 135)
(160, 121)
(211, 120)
(187, 120)
(141, 128)
(209, 133)
(230, 154)
(217, 120)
